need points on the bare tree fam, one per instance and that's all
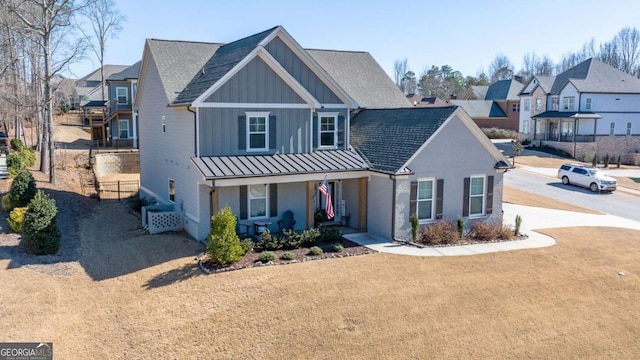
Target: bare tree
(628, 46)
(400, 69)
(501, 68)
(50, 22)
(106, 21)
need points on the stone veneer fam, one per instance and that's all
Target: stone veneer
(626, 146)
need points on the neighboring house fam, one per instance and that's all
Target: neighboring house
(414, 168)
(88, 87)
(590, 109)
(257, 124)
(496, 105)
(419, 100)
(121, 118)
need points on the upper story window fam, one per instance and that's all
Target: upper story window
(527, 105)
(612, 128)
(257, 131)
(328, 132)
(122, 95)
(568, 103)
(476, 196)
(515, 108)
(425, 199)
(538, 104)
(628, 129)
(587, 106)
(554, 103)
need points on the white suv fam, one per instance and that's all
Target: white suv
(586, 176)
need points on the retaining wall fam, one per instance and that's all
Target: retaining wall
(117, 163)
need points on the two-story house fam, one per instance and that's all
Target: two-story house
(88, 88)
(592, 108)
(257, 124)
(121, 120)
(496, 105)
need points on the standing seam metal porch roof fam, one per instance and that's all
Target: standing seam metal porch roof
(327, 161)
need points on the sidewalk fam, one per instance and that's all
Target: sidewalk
(532, 218)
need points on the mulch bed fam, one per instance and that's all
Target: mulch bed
(472, 241)
(301, 255)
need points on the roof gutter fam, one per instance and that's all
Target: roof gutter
(195, 130)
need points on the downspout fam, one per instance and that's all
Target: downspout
(195, 130)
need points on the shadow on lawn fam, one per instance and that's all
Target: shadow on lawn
(173, 276)
(576, 188)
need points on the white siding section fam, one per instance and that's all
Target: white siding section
(165, 155)
(524, 115)
(569, 91)
(611, 102)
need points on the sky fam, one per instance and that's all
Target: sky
(465, 34)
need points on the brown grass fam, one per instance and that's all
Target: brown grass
(516, 196)
(543, 161)
(566, 301)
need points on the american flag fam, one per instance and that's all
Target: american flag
(324, 189)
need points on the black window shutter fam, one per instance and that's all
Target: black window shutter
(341, 132)
(273, 200)
(242, 132)
(439, 198)
(315, 131)
(272, 131)
(489, 205)
(243, 202)
(465, 197)
(413, 195)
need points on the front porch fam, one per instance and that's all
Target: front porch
(565, 130)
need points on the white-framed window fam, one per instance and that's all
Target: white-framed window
(257, 131)
(568, 103)
(122, 95)
(258, 201)
(612, 129)
(425, 203)
(172, 190)
(527, 105)
(123, 127)
(525, 127)
(628, 129)
(587, 105)
(327, 130)
(476, 195)
(515, 107)
(538, 104)
(554, 103)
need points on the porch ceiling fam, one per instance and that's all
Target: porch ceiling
(228, 167)
(567, 114)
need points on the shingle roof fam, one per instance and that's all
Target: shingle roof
(477, 92)
(504, 90)
(595, 76)
(480, 108)
(387, 138)
(359, 74)
(545, 82)
(179, 61)
(129, 73)
(224, 59)
(108, 71)
(224, 167)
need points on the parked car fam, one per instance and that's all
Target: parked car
(586, 176)
(4, 142)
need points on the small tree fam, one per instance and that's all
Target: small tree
(460, 224)
(65, 105)
(414, 226)
(40, 231)
(23, 189)
(224, 244)
(619, 161)
(594, 161)
(606, 161)
(516, 146)
(516, 231)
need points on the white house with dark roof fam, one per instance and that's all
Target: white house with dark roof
(258, 123)
(592, 108)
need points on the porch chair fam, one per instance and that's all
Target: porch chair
(287, 222)
(242, 229)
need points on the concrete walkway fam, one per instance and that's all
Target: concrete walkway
(532, 218)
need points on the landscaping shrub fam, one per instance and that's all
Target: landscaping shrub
(16, 219)
(269, 241)
(15, 144)
(606, 160)
(497, 133)
(441, 232)
(266, 256)
(136, 202)
(28, 155)
(329, 234)
(40, 231)
(619, 161)
(516, 231)
(315, 251)
(6, 203)
(288, 256)
(23, 189)
(460, 224)
(288, 240)
(526, 142)
(414, 226)
(311, 236)
(247, 245)
(503, 232)
(15, 164)
(337, 248)
(487, 231)
(224, 245)
(594, 161)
